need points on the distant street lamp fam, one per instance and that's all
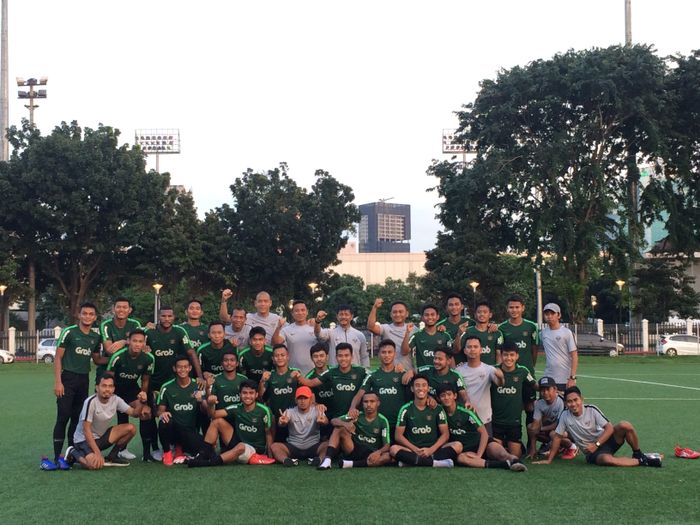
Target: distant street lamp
(474, 286)
(313, 287)
(31, 95)
(156, 302)
(3, 287)
(620, 283)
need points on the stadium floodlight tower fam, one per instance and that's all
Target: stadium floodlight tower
(158, 142)
(32, 94)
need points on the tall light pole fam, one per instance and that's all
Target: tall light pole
(4, 89)
(3, 287)
(156, 302)
(32, 94)
(620, 283)
(628, 22)
(158, 142)
(474, 285)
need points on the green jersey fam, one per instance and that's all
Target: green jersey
(198, 335)
(279, 390)
(452, 328)
(464, 427)
(392, 393)
(490, 342)
(253, 365)
(251, 427)
(129, 369)
(507, 400)
(435, 380)
(227, 391)
(79, 348)
(421, 427)
(166, 347)
(525, 336)
(180, 402)
(210, 357)
(345, 386)
(110, 332)
(370, 434)
(424, 344)
(323, 392)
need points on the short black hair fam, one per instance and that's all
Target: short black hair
(443, 350)
(429, 306)
(387, 342)
(181, 357)
(256, 330)
(298, 301)
(343, 346)
(107, 374)
(484, 303)
(122, 299)
(344, 307)
(318, 347)
(136, 331)
(280, 345)
(229, 352)
(509, 346)
(214, 323)
(248, 383)
(420, 375)
(88, 304)
(188, 303)
(454, 295)
(163, 308)
(445, 387)
(398, 302)
(467, 337)
(370, 392)
(515, 298)
(572, 390)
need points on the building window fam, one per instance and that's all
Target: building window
(390, 227)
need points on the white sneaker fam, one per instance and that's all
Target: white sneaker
(126, 454)
(157, 455)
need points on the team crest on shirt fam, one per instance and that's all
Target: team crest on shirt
(489, 338)
(289, 380)
(172, 341)
(395, 379)
(428, 417)
(353, 376)
(139, 367)
(254, 420)
(524, 334)
(515, 379)
(376, 430)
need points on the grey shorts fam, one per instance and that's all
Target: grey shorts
(82, 449)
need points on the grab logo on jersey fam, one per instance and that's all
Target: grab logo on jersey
(232, 398)
(248, 428)
(521, 344)
(82, 351)
(458, 431)
(183, 406)
(217, 368)
(387, 391)
(421, 430)
(124, 375)
(507, 390)
(282, 391)
(367, 439)
(325, 393)
(485, 350)
(164, 353)
(345, 388)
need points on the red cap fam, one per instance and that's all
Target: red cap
(303, 391)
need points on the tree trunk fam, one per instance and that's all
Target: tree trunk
(31, 300)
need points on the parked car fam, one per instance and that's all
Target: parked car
(595, 344)
(6, 357)
(678, 344)
(46, 351)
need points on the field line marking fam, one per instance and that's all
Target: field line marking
(644, 398)
(641, 382)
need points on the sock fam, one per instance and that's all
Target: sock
(424, 462)
(444, 463)
(216, 460)
(326, 462)
(449, 452)
(490, 463)
(331, 452)
(407, 457)
(360, 463)
(637, 454)
(347, 464)
(208, 451)
(113, 453)
(57, 448)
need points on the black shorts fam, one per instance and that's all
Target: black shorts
(82, 449)
(475, 448)
(609, 447)
(302, 453)
(128, 392)
(443, 453)
(359, 452)
(489, 429)
(507, 434)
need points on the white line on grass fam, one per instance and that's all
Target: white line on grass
(641, 382)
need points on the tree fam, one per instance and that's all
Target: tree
(557, 148)
(277, 236)
(80, 205)
(665, 287)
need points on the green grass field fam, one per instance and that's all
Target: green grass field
(660, 396)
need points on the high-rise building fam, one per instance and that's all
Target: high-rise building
(385, 227)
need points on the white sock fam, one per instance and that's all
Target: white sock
(347, 464)
(445, 463)
(326, 463)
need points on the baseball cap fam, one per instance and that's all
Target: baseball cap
(303, 391)
(554, 307)
(547, 381)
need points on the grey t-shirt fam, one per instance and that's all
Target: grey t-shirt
(240, 337)
(558, 345)
(547, 413)
(338, 335)
(586, 428)
(269, 323)
(304, 430)
(396, 334)
(478, 383)
(99, 415)
(299, 339)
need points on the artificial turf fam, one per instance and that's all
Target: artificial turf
(664, 414)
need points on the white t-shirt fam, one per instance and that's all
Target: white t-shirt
(354, 337)
(269, 323)
(558, 345)
(478, 383)
(99, 415)
(396, 334)
(299, 339)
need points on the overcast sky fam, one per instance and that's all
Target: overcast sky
(361, 89)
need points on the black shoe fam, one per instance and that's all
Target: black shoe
(289, 462)
(315, 462)
(650, 461)
(147, 458)
(116, 461)
(199, 461)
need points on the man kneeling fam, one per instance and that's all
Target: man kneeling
(469, 438)
(363, 437)
(596, 436)
(94, 432)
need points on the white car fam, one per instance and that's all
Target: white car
(678, 344)
(46, 351)
(6, 357)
